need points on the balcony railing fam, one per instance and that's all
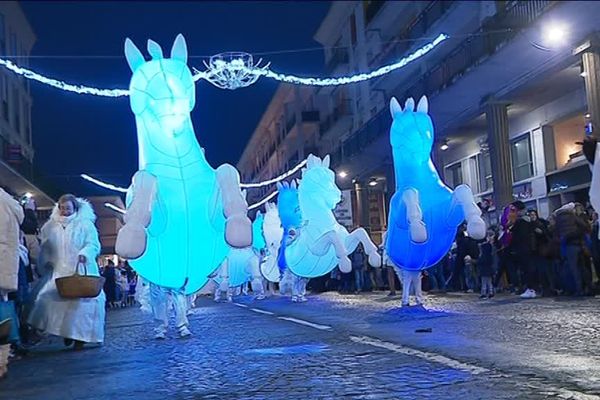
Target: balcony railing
(470, 52)
(401, 43)
(487, 41)
(367, 134)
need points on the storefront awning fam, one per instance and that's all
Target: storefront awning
(20, 185)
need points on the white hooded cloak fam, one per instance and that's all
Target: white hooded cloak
(63, 240)
(11, 217)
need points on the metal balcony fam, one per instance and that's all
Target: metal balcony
(401, 43)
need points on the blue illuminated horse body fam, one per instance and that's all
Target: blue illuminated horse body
(424, 212)
(176, 227)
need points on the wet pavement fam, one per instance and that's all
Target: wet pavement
(334, 346)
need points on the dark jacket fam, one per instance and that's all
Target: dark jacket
(522, 243)
(358, 260)
(485, 262)
(571, 228)
(30, 223)
(541, 236)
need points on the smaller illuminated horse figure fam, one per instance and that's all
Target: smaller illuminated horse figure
(243, 265)
(424, 212)
(273, 234)
(321, 243)
(182, 215)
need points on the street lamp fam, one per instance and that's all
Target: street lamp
(373, 182)
(555, 34)
(342, 174)
(444, 146)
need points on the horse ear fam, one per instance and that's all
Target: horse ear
(179, 49)
(258, 214)
(395, 107)
(293, 184)
(423, 105)
(155, 50)
(133, 55)
(279, 186)
(312, 161)
(409, 105)
(326, 161)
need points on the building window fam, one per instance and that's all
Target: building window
(522, 160)
(484, 163)
(454, 175)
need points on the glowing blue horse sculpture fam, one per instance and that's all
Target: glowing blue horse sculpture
(182, 216)
(242, 265)
(320, 242)
(424, 212)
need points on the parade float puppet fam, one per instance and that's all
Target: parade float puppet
(424, 212)
(272, 232)
(320, 242)
(182, 215)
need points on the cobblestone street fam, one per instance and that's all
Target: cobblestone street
(334, 346)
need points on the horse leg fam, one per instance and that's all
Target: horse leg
(257, 279)
(464, 207)
(331, 238)
(414, 216)
(238, 227)
(360, 235)
(132, 237)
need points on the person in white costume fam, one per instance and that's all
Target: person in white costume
(161, 300)
(411, 279)
(69, 240)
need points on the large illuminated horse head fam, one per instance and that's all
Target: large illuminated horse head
(288, 205)
(411, 134)
(161, 92)
(318, 190)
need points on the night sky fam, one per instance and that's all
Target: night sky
(80, 133)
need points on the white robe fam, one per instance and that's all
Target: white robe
(11, 217)
(62, 244)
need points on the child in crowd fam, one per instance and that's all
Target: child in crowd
(486, 266)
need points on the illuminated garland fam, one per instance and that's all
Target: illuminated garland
(226, 74)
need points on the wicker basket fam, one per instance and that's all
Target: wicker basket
(79, 286)
(5, 329)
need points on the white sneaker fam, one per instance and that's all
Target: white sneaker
(184, 332)
(261, 297)
(159, 336)
(294, 299)
(302, 299)
(230, 299)
(528, 294)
